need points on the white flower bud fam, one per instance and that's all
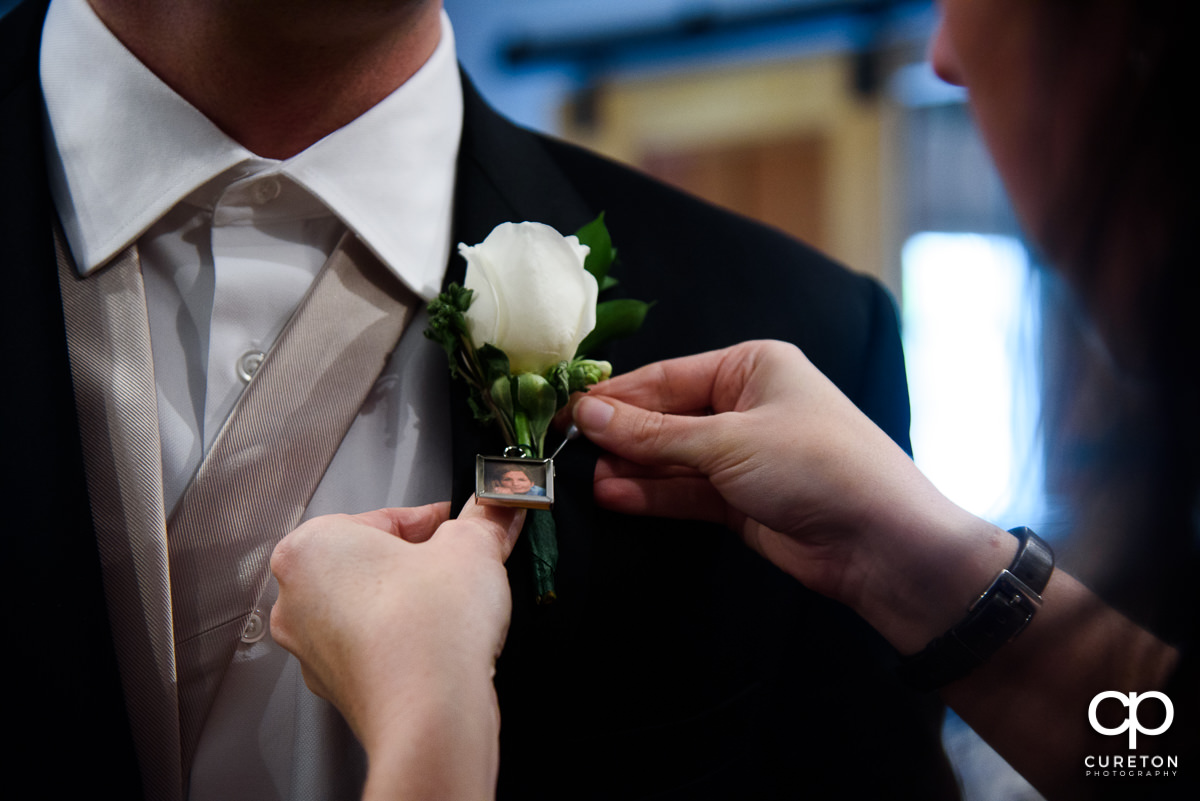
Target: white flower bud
(533, 298)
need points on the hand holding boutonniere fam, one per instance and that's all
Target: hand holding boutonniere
(518, 332)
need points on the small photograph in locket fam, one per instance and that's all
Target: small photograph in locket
(507, 481)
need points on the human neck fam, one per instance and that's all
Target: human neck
(278, 75)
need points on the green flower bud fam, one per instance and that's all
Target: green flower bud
(582, 373)
(536, 396)
(595, 371)
(537, 401)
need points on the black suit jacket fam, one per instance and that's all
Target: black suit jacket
(677, 664)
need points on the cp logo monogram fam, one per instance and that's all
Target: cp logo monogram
(1131, 723)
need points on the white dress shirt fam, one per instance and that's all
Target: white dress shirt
(229, 243)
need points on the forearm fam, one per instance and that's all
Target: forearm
(916, 573)
(1030, 700)
(440, 750)
(402, 635)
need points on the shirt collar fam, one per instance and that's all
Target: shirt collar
(124, 149)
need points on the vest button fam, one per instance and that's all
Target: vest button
(256, 627)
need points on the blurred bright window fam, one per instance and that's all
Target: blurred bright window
(970, 326)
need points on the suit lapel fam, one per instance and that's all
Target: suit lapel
(506, 175)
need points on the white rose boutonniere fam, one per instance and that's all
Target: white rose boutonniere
(531, 296)
(518, 332)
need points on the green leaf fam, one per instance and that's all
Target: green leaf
(601, 254)
(493, 362)
(479, 411)
(614, 318)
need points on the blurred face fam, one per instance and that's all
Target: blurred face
(1036, 86)
(987, 46)
(515, 482)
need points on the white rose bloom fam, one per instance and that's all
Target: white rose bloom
(533, 299)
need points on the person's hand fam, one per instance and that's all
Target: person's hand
(755, 437)
(397, 617)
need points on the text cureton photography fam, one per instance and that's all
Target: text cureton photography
(1122, 709)
(1130, 765)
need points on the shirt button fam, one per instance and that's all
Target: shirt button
(256, 627)
(248, 364)
(265, 190)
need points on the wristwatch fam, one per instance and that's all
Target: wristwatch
(996, 617)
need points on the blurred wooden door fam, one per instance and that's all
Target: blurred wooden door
(780, 182)
(790, 144)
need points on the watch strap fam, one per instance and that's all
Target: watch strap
(995, 618)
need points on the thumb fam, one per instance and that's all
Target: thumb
(411, 523)
(645, 437)
(496, 526)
